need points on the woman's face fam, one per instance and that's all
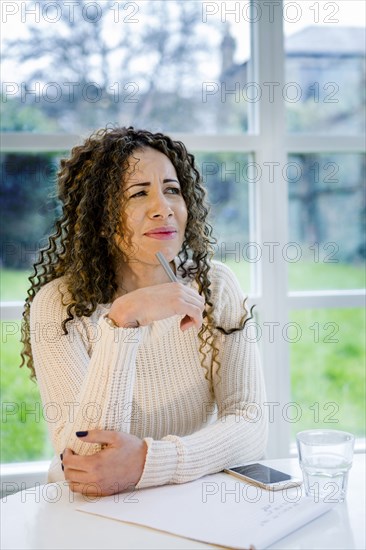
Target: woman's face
(155, 213)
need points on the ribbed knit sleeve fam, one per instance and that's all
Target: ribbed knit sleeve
(83, 386)
(240, 432)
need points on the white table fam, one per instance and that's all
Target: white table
(45, 518)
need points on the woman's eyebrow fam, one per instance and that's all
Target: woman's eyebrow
(147, 183)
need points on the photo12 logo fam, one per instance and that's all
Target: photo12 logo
(253, 92)
(70, 92)
(252, 12)
(72, 11)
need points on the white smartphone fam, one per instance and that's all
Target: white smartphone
(265, 477)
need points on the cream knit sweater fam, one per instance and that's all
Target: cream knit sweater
(149, 381)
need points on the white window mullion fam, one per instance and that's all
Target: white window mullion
(18, 142)
(272, 201)
(327, 299)
(314, 143)
(21, 142)
(11, 311)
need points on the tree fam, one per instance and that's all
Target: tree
(110, 65)
(28, 203)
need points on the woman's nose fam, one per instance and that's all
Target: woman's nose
(160, 207)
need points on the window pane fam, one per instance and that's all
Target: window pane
(325, 66)
(327, 221)
(171, 66)
(328, 369)
(227, 178)
(24, 435)
(28, 206)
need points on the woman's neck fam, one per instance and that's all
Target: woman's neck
(132, 276)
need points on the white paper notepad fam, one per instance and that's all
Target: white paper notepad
(216, 509)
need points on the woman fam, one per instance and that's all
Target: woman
(143, 381)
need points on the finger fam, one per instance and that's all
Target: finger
(78, 476)
(186, 323)
(186, 293)
(67, 452)
(192, 319)
(194, 294)
(104, 437)
(194, 300)
(87, 489)
(201, 298)
(75, 462)
(188, 304)
(195, 314)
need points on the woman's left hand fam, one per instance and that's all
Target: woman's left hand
(118, 466)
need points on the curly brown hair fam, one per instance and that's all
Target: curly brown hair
(89, 186)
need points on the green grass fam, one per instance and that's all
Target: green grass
(14, 284)
(325, 276)
(328, 369)
(24, 433)
(327, 376)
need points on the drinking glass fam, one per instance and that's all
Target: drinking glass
(325, 458)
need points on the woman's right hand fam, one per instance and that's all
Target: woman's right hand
(154, 303)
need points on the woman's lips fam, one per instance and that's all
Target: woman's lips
(163, 235)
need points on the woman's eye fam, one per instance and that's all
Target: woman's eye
(169, 190)
(139, 194)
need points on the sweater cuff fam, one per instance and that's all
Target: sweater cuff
(157, 329)
(146, 334)
(117, 335)
(160, 464)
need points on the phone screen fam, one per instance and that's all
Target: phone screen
(261, 473)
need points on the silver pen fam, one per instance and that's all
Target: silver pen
(168, 270)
